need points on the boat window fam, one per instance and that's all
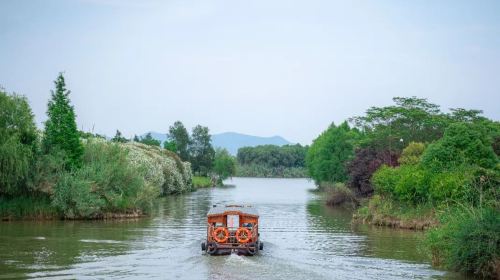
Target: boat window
(233, 222)
(247, 225)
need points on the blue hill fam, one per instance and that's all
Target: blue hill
(232, 141)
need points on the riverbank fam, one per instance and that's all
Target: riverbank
(459, 237)
(202, 182)
(381, 211)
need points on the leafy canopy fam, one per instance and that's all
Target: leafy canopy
(224, 164)
(178, 137)
(327, 157)
(18, 142)
(201, 151)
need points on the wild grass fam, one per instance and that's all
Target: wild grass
(27, 207)
(202, 182)
(339, 195)
(468, 241)
(384, 211)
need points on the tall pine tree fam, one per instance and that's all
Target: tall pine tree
(61, 133)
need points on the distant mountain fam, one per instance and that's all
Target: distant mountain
(232, 141)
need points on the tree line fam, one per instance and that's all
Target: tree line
(411, 155)
(272, 161)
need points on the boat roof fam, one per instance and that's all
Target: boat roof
(219, 210)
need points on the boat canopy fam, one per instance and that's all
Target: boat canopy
(245, 210)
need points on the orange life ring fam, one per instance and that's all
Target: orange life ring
(243, 235)
(216, 234)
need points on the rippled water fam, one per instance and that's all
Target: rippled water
(303, 239)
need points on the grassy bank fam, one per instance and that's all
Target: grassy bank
(202, 182)
(27, 208)
(386, 212)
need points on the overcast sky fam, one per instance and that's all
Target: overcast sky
(264, 68)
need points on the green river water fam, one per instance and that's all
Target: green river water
(304, 239)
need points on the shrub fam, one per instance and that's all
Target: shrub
(160, 168)
(462, 143)
(412, 153)
(338, 194)
(106, 182)
(18, 143)
(411, 184)
(366, 161)
(467, 241)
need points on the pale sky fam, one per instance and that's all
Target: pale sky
(264, 68)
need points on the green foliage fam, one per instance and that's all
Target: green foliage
(178, 137)
(224, 164)
(201, 182)
(149, 140)
(273, 156)
(461, 166)
(412, 153)
(46, 172)
(327, 157)
(170, 145)
(462, 143)
(18, 143)
(118, 138)
(272, 161)
(61, 133)
(467, 241)
(105, 183)
(201, 151)
(411, 119)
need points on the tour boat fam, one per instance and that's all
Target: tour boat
(232, 228)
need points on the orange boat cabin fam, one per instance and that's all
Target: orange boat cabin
(232, 228)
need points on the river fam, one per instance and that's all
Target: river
(303, 239)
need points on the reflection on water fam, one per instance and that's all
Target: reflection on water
(303, 240)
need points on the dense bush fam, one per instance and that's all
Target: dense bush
(417, 184)
(327, 157)
(462, 143)
(160, 168)
(365, 162)
(468, 241)
(460, 166)
(412, 153)
(106, 182)
(18, 143)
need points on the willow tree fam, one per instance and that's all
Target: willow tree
(61, 134)
(18, 142)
